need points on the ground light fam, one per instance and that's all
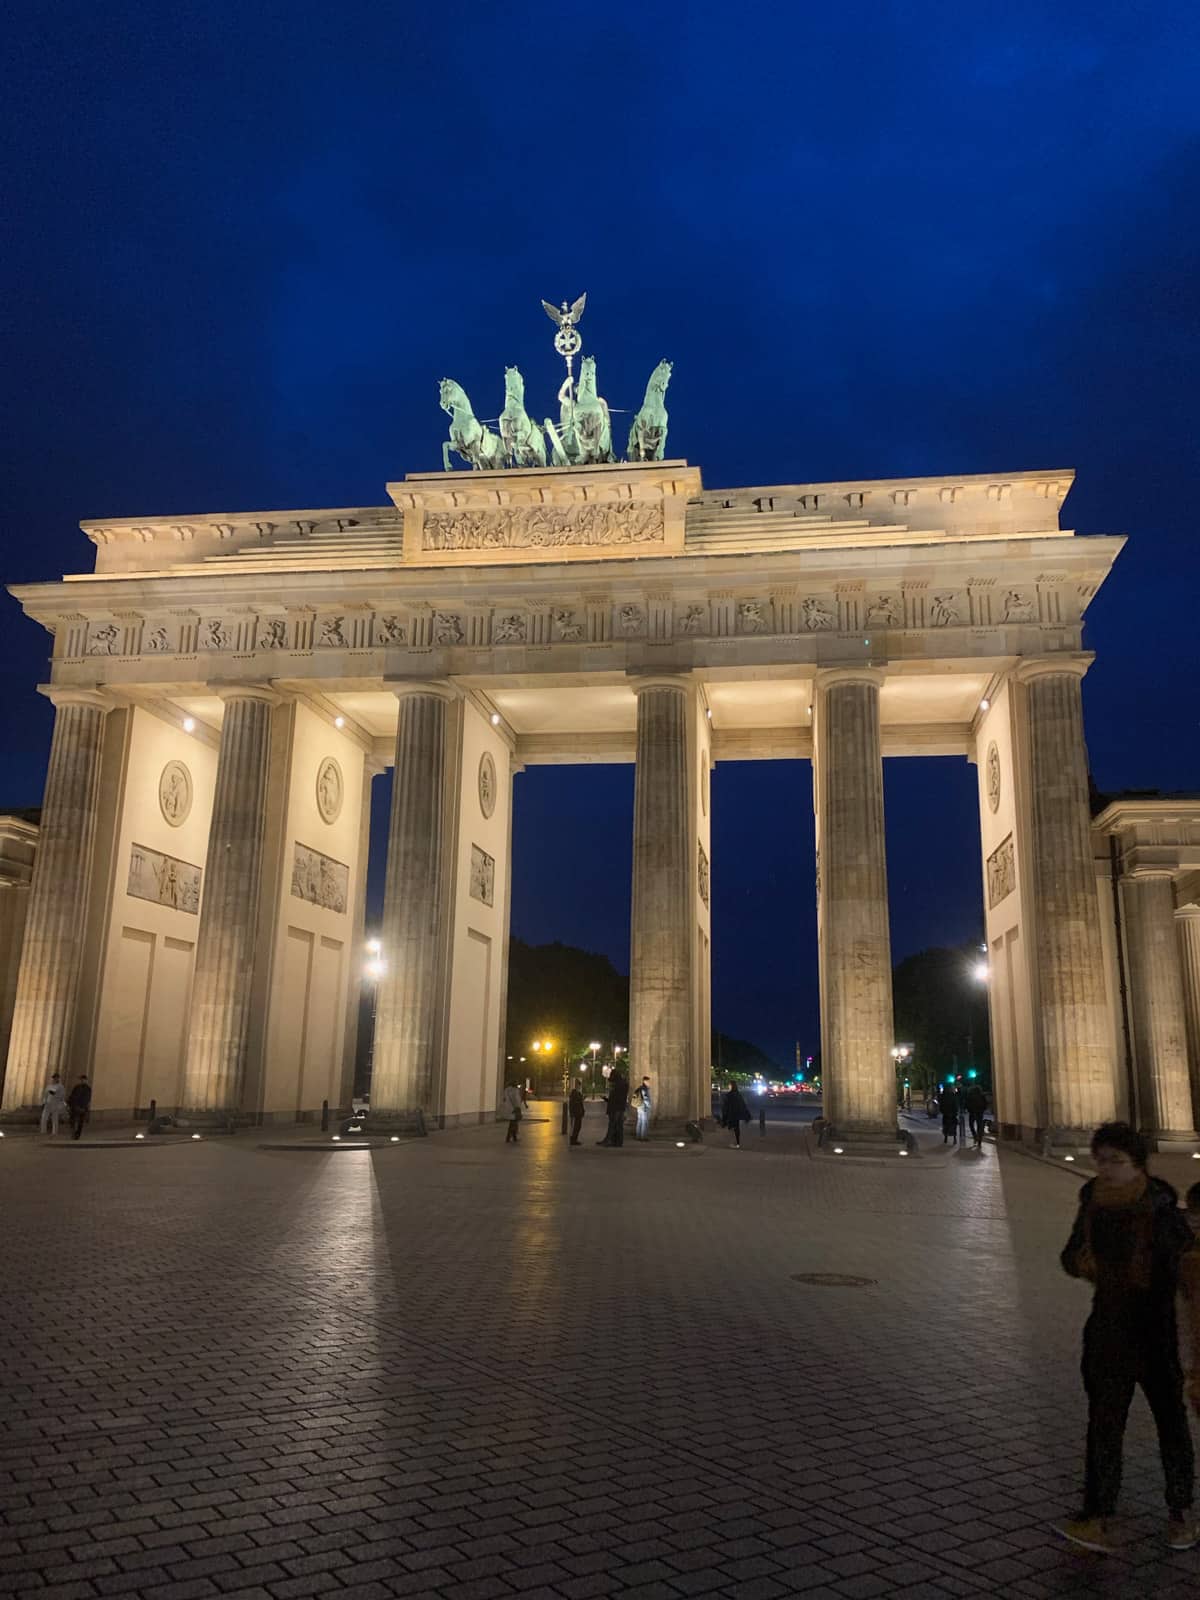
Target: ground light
(837, 1150)
(195, 1136)
(1068, 1158)
(139, 1136)
(395, 1138)
(679, 1145)
(336, 1139)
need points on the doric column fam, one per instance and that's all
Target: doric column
(1187, 927)
(1072, 1011)
(1159, 1024)
(52, 952)
(857, 1071)
(408, 1024)
(660, 974)
(221, 988)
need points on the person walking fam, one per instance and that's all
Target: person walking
(948, 1106)
(1132, 1242)
(54, 1103)
(975, 1104)
(734, 1111)
(643, 1105)
(618, 1099)
(79, 1106)
(512, 1099)
(575, 1109)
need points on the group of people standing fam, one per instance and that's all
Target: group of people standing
(952, 1102)
(616, 1104)
(57, 1103)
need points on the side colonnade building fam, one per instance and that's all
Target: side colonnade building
(227, 686)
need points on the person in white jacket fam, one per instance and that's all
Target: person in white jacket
(54, 1103)
(512, 1100)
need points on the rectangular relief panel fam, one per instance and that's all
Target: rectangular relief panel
(320, 879)
(164, 880)
(1001, 873)
(483, 876)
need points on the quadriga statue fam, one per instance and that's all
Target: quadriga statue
(473, 440)
(648, 432)
(524, 445)
(584, 434)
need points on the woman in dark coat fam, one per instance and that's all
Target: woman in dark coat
(734, 1112)
(948, 1106)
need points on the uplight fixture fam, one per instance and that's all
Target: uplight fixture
(136, 1136)
(339, 722)
(837, 1150)
(195, 1136)
(189, 724)
(495, 719)
(984, 704)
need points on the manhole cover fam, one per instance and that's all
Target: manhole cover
(832, 1280)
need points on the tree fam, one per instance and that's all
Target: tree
(940, 1007)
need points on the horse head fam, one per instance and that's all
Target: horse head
(587, 378)
(514, 385)
(452, 396)
(659, 379)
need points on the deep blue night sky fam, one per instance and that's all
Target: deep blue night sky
(244, 243)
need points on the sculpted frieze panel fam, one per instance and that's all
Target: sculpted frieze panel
(156, 640)
(215, 635)
(753, 617)
(540, 527)
(567, 626)
(483, 876)
(272, 633)
(885, 611)
(331, 633)
(319, 879)
(946, 609)
(818, 614)
(509, 627)
(447, 627)
(163, 880)
(104, 639)
(1019, 605)
(631, 620)
(693, 619)
(391, 630)
(1001, 872)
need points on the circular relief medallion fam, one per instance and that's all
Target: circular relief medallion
(487, 783)
(175, 792)
(329, 790)
(993, 776)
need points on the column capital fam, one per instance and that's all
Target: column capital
(1145, 874)
(831, 677)
(1188, 913)
(65, 695)
(226, 692)
(638, 681)
(438, 688)
(1072, 664)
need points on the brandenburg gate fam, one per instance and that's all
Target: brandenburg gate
(228, 685)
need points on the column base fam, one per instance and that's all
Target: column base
(876, 1142)
(389, 1122)
(183, 1123)
(22, 1117)
(1173, 1142)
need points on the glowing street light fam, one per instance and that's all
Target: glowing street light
(981, 972)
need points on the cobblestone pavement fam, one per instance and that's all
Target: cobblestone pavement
(456, 1368)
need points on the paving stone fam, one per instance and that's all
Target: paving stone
(372, 1448)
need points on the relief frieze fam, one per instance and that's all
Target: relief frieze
(542, 527)
(319, 879)
(1001, 873)
(164, 880)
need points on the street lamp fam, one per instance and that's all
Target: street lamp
(981, 972)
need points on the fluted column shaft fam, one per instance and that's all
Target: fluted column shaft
(407, 1016)
(1159, 1024)
(1187, 926)
(1072, 1009)
(218, 1024)
(660, 979)
(857, 1071)
(52, 951)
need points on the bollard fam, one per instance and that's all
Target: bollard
(324, 1116)
(563, 1129)
(762, 1118)
(153, 1110)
